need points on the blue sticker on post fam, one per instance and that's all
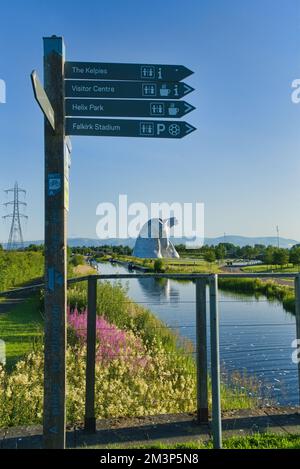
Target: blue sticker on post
(54, 279)
(54, 183)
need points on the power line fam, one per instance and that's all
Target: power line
(277, 230)
(15, 239)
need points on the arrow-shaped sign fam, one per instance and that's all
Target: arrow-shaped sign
(42, 99)
(116, 71)
(126, 89)
(127, 128)
(126, 108)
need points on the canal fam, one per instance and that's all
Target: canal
(255, 334)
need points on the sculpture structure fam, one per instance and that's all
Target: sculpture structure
(153, 240)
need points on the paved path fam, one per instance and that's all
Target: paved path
(165, 428)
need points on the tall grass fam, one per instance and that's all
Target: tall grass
(17, 268)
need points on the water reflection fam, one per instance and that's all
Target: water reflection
(160, 289)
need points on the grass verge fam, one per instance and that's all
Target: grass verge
(255, 441)
(21, 329)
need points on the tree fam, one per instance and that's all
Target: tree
(295, 256)
(220, 251)
(280, 257)
(210, 255)
(268, 255)
(77, 259)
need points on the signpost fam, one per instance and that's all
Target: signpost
(127, 128)
(126, 89)
(127, 108)
(116, 71)
(89, 83)
(55, 250)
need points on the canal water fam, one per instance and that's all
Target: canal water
(255, 334)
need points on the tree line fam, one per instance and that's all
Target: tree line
(266, 254)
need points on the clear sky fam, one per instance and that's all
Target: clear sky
(243, 161)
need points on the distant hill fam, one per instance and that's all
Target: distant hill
(234, 239)
(251, 241)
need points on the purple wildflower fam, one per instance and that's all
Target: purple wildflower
(112, 342)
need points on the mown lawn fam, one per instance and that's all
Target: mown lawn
(20, 329)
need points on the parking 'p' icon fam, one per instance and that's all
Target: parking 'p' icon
(160, 128)
(2, 92)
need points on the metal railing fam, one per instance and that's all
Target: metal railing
(201, 282)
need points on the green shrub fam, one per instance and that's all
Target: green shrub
(158, 265)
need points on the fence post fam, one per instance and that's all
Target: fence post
(90, 419)
(201, 352)
(297, 304)
(215, 362)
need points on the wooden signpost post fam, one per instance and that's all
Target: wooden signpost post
(76, 116)
(52, 102)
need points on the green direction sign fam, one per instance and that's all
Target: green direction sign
(127, 128)
(126, 108)
(126, 89)
(115, 71)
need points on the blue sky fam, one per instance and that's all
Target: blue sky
(243, 161)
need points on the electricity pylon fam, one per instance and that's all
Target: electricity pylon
(15, 239)
(277, 231)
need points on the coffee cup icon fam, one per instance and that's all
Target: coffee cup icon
(164, 91)
(173, 111)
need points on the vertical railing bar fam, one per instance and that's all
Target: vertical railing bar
(90, 419)
(215, 362)
(201, 352)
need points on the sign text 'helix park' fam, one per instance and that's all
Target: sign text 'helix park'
(99, 90)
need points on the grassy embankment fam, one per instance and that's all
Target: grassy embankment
(254, 286)
(21, 326)
(255, 441)
(170, 265)
(272, 268)
(18, 268)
